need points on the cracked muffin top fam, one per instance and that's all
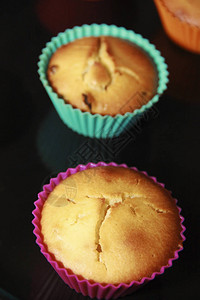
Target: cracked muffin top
(111, 225)
(104, 75)
(186, 10)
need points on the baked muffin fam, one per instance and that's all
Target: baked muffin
(101, 90)
(109, 214)
(181, 21)
(104, 75)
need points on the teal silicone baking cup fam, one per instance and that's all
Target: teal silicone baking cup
(96, 125)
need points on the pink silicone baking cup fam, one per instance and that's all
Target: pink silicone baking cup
(88, 287)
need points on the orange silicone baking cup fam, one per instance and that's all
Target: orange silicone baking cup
(182, 33)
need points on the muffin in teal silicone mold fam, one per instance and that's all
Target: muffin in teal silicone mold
(101, 78)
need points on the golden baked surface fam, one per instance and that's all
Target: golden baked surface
(186, 10)
(111, 224)
(104, 75)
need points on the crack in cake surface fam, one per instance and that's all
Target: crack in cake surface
(107, 67)
(101, 220)
(129, 72)
(96, 73)
(108, 204)
(156, 209)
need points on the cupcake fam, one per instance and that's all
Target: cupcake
(181, 21)
(90, 217)
(103, 75)
(101, 78)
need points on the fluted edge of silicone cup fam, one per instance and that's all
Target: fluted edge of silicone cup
(184, 34)
(96, 125)
(86, 287)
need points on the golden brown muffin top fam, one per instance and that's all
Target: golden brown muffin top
(111, 224)
(104, 75)
(186, 10)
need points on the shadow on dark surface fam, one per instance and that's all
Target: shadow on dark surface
(184, 74)
(62, 14)
(60, 147)
(16, 112)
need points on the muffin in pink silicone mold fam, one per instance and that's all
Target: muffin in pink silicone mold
(106, 192)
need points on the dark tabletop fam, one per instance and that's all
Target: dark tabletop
(36, 145)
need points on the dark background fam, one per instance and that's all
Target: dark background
(35, 144)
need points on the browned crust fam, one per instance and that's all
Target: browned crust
(114, 215)
(116, 74)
